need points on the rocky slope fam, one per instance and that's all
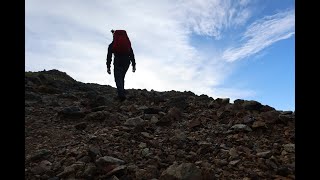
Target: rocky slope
(76, 130)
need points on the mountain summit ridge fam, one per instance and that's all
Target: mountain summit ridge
(80, 130)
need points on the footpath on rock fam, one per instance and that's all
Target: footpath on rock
(76, 130)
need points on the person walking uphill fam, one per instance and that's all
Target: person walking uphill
(121, 48)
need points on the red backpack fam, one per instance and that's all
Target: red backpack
(121, 42)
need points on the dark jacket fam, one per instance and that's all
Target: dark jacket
(119, 59)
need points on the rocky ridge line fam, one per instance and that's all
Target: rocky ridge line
(76, 130)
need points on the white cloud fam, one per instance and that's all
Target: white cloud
(212, 17)
(73, 36)
(262, 34)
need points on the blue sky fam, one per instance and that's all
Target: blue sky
(237, 49)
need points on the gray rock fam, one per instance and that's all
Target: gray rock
(241, 127)
(233, 153)
(147, 135)
(43, 153)
(184, 171)
(258, 124)
(145, 152)
(234, 162)
(264, 154)
(99, 108)
(142, 107)
(78, 165)
(252, 105)
(107, 160)
(142, 145)
(180, 135)
(154, 119)
(221, 162)
(136, 121)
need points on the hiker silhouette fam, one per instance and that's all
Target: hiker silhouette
(121, 48)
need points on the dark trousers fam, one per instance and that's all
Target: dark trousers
(121, 66)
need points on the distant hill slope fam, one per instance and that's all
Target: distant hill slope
(81, 131)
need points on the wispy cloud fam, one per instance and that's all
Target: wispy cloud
(262, 34)
(212, 17)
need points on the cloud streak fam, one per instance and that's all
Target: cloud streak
(212, 17)
(262, 34)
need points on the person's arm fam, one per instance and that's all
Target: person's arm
(109, 56)
(133, 61)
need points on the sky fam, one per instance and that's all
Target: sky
(237, 49)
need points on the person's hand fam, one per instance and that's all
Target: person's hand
(133, 68)
(109, 71)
